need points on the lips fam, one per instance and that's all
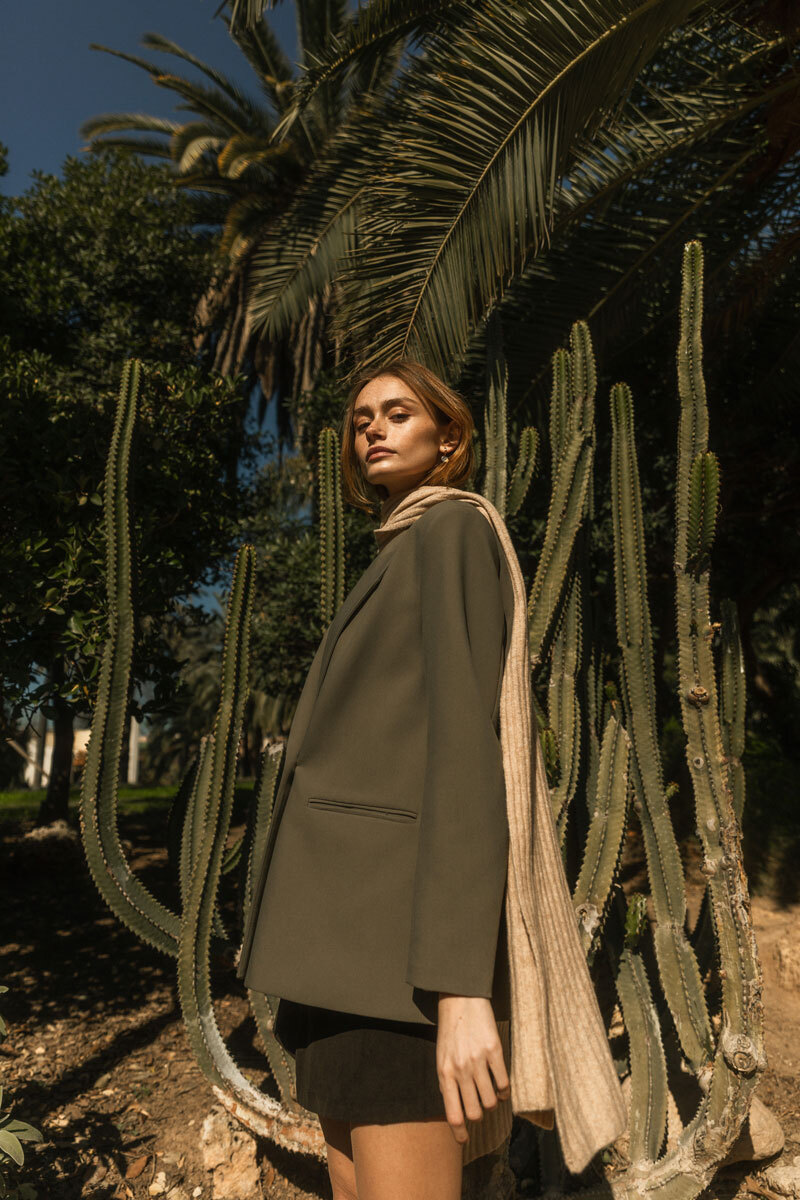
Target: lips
(377, 454)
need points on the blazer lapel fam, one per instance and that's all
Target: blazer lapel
(350, 606)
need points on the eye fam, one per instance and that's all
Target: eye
(401, 416)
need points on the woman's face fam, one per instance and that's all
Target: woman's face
(397, 441)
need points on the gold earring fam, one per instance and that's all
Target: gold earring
(445, 458)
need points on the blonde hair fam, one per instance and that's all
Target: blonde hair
(441, 402)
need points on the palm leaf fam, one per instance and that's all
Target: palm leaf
(374, 29)
(304, 251)
(490, 120)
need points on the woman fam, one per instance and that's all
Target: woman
(380, 913)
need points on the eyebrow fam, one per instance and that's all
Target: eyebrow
(365, 410)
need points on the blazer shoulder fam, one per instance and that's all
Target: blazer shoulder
(458, 521)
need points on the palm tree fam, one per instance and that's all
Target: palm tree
(228, 152)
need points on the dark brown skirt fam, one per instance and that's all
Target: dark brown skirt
(361, 1069)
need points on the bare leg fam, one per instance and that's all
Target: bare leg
(419, 1159)
(339, 1151)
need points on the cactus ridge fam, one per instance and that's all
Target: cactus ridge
(564, 707)
(732, 703)
(523, 470)
(593, 890)
(583, 376)
(559, 406)
(702, 510)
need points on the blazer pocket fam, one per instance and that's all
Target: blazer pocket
(358, 808)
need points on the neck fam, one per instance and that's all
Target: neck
(390, 503)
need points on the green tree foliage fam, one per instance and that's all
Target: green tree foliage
(103, 262)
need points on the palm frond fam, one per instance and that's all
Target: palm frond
(263, 51)
(676, 167)
(156, 41)
(488, 122)
(318, 22)
(116, 122)
(374, 28)
(304, 251)
(246, 13)
(241, 153)
(149, 147)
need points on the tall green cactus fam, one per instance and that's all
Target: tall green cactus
(677, 965)
(207, 798)
(601, 752)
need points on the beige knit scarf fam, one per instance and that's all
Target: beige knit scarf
(557, 1050)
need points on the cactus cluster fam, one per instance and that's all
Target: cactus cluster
(602, 755)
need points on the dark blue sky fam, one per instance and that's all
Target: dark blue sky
(50, 81)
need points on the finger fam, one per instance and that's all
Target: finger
(452, 1106)
(485, 1085)
(469, 1096)
(497, 1065)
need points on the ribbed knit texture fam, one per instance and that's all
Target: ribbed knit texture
(559, 1059)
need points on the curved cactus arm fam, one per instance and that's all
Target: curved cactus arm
(193, 823)
(331, 525)
(572, 461)
(606, 832)
(125, 895)
(254, 1108)
(282, 1068)
(732, 704)
(265, 1007)
(680, 976)
(216, 801)
(648, 1107)
(192, 832)
(494, 416)
(523, 470)
(717, 823)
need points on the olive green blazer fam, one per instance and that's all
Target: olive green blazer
(383, 878)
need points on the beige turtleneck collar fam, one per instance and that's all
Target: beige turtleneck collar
(390, 503)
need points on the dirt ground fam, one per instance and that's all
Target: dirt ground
(97, 1058)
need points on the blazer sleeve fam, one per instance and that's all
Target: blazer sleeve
(463, 836)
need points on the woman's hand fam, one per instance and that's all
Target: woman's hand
(468, 1048)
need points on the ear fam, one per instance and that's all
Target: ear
(450, 437)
